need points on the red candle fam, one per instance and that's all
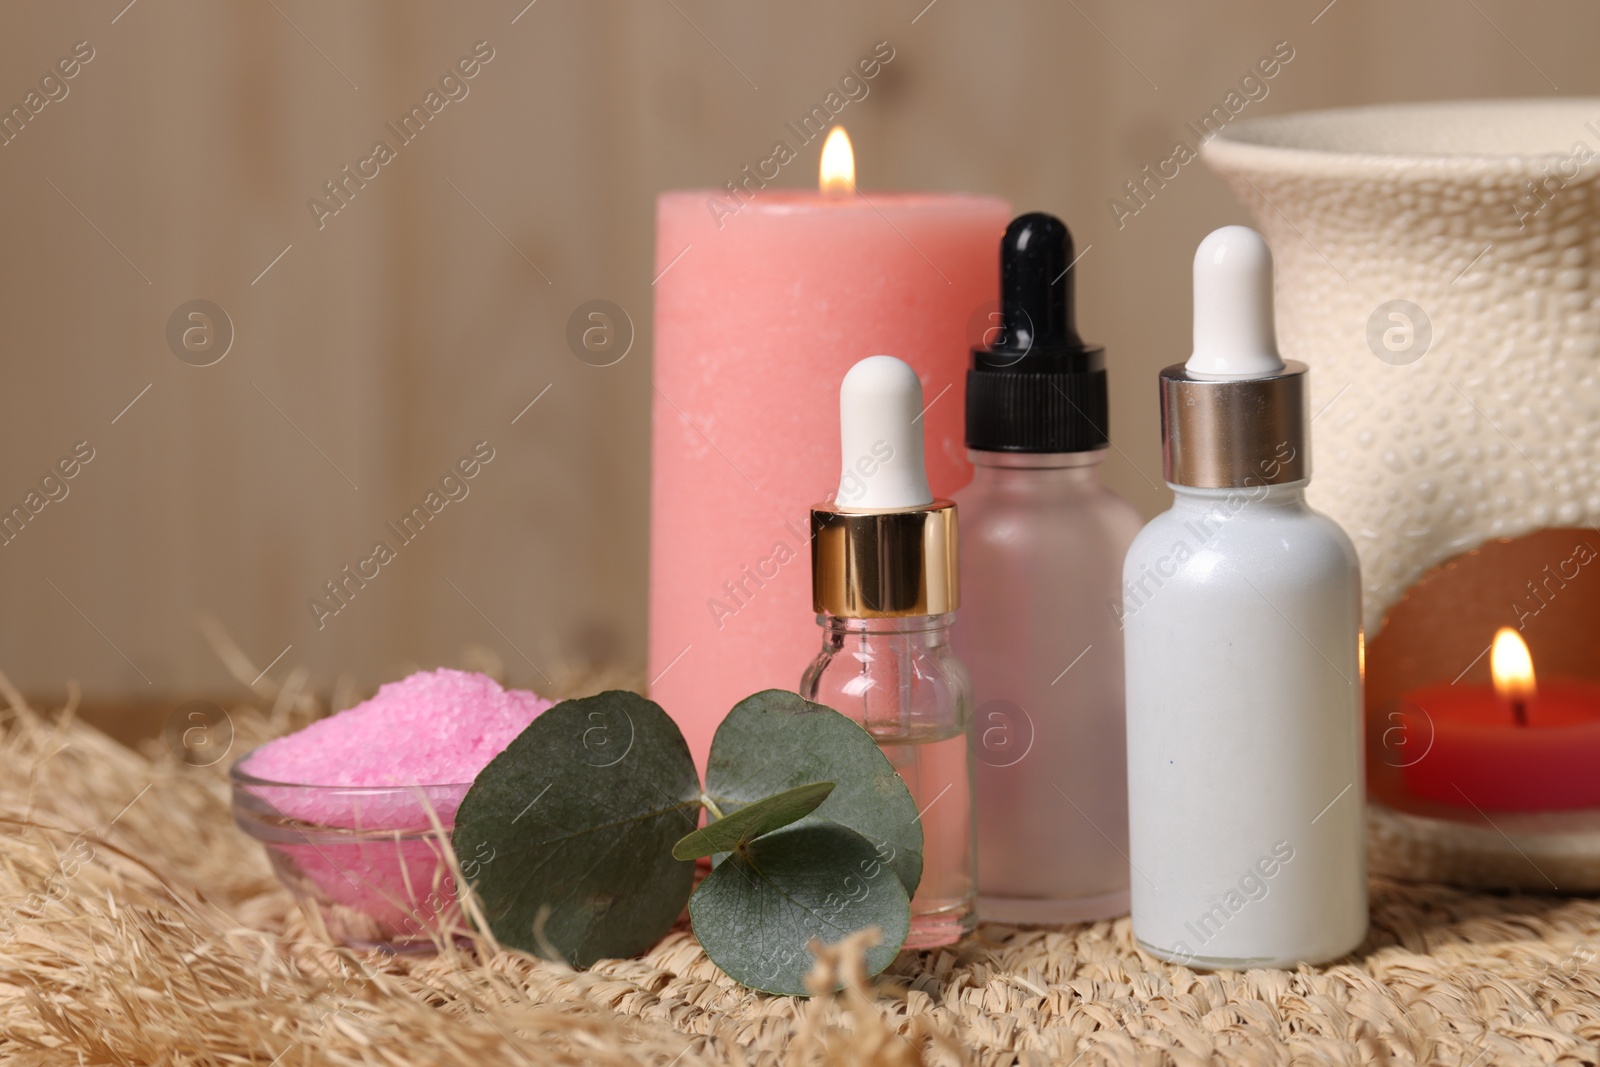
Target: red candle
(1512, 746)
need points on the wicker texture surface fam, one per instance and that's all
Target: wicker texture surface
(140, 927)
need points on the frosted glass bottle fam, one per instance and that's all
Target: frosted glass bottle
(1042, 541)
(1042, 546)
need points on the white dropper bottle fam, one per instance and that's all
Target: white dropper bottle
(1241, 616)
(884, 584)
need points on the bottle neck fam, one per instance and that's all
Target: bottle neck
(1035, 469)
(933, 626)
(1286, 495)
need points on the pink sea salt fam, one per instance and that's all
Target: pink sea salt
(432, 728)
(380, 768)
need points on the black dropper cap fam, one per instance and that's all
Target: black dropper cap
(1037, 387)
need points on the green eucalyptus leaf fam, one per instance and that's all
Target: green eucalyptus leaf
(576, 820)
(757, 910)
(752, 820)
(776, 740)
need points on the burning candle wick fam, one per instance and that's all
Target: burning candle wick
(1511, 667)
(836, 172)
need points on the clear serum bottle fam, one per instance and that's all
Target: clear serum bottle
(885, 586)
(1242, 622)
(1042, 544)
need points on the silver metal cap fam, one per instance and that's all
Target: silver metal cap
(1225, 433)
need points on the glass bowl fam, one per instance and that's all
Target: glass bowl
(368, 865)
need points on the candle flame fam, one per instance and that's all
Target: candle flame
(1511, 665)
(837, 174)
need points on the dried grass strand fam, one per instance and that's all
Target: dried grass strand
(138, 926)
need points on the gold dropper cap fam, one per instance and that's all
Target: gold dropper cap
(883, 547)
(884, 564)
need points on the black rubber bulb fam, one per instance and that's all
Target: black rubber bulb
(1036, 305)
(1037, 387)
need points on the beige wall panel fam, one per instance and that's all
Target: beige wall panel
(429, 311)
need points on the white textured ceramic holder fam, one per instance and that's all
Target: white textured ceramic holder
(1438, 267)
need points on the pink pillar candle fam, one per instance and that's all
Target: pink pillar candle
(758, 314)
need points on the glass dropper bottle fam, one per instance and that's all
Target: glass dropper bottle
(885, 589)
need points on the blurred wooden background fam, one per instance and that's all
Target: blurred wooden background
(372, 353)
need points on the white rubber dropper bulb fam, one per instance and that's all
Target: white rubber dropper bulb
(1234, 335)
(880, 430)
